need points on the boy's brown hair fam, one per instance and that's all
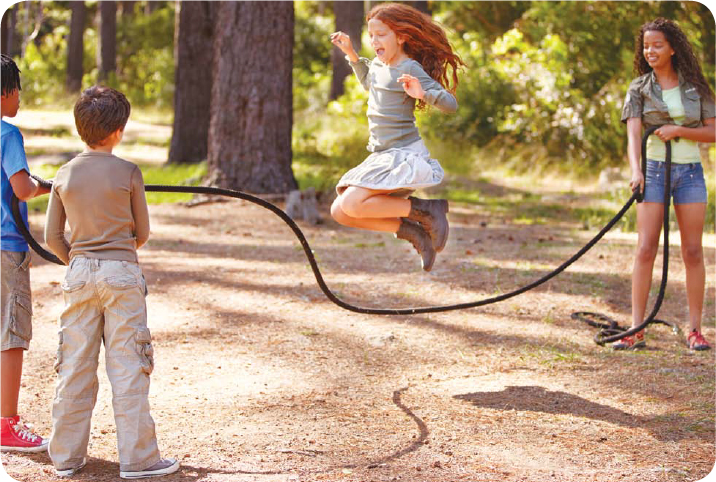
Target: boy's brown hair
(99, 112)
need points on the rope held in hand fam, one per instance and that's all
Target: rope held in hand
(601, 339)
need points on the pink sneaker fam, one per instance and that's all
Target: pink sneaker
(15, 435)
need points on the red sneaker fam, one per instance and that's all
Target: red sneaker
(15, 435)
(696, 341)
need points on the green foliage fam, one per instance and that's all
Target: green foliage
(311, 58)
(145, 56)
(329, 144)
(45, 62)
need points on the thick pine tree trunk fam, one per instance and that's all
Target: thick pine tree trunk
(107, 52)
(421, 5)
(10, 42)
(251, 102)
(75, 47)
(349, 19)
(193, 55)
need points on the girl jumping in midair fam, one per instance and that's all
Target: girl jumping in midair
(411, 67)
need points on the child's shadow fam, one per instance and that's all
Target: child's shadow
(539, 399)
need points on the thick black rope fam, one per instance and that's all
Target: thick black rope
(610, 329)
(319, 278)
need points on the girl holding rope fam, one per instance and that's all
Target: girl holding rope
(670, 91)
(411, 69)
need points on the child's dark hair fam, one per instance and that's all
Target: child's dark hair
(425, 41)
(10, 75)
(684, 61)
(99, 112)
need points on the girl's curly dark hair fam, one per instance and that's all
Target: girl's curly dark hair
(425, 42)
(683, 60)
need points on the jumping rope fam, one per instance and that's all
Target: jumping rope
(611, 331)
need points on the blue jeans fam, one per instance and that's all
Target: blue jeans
(687, 183)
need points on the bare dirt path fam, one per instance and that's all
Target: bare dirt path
(259, 378)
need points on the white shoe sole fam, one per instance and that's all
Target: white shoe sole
(143, 474)
(72, 471)
(39, 448)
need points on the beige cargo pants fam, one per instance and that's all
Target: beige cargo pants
(104, 300)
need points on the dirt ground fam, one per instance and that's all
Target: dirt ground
(260, 378)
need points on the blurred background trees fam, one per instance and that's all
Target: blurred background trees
(543, 86)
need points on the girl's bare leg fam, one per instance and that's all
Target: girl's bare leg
(649, 218)
(388, 225)
(691, 219)
(359, 202)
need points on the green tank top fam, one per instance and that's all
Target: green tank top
(682, 152)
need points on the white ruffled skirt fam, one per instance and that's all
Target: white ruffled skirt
(401, 168)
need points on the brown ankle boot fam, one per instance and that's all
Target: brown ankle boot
(431, 213)
(420, 239)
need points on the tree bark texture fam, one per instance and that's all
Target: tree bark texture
(127, 8)
(252, 99)
(75, 47)
(193, 55)
(10, 42)
(421, 5)
(107, 51)
(349, 19)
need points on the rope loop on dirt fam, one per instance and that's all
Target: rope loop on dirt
(600, 338)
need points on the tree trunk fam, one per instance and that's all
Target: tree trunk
(107, 51)
(349, 19)
(421, 5)
(127, 8)
(252, 100)
(193, 54)
(8, 39)
(151, 6)
(75, 47)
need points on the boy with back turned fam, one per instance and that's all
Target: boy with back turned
(102, 199)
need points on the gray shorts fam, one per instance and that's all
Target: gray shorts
(16, 300)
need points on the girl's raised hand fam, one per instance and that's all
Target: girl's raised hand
(412, 86)
(342, 41)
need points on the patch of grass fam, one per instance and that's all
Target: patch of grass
(380, 244)
(147, 141)
(56, 131)
(550, 355)
(173, 174)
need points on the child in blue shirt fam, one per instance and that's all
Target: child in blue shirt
(16, 296)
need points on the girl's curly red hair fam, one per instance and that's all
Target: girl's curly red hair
(425, 41)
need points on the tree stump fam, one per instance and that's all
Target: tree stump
(302, 205)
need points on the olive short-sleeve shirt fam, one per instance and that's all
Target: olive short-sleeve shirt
(644, 100)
